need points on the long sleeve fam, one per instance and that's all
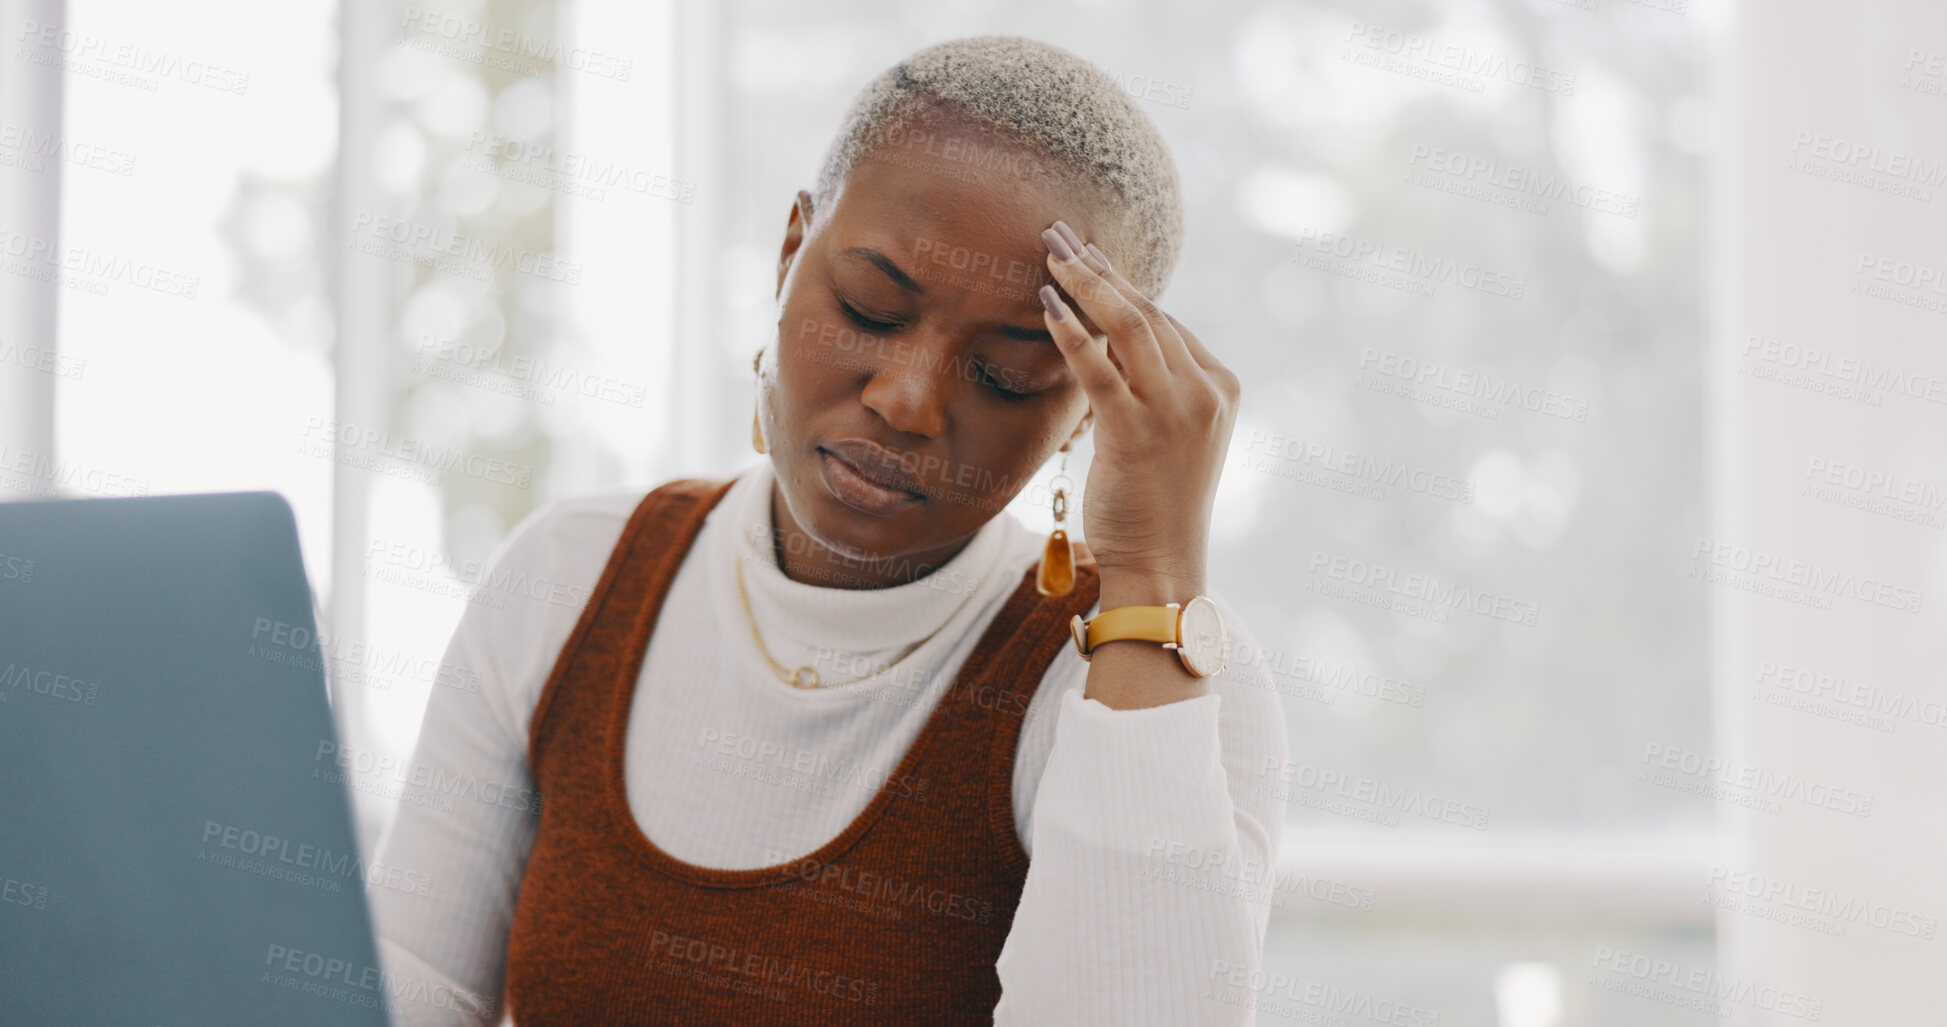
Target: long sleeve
(1143, 836)
(469, 809)
(1151, 858)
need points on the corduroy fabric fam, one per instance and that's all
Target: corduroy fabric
(898, 920)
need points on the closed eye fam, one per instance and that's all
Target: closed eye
(1000, 385)
(865, 322)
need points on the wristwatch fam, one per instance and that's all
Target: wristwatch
(1194, 629)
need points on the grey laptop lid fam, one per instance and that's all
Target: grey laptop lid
(176, 844)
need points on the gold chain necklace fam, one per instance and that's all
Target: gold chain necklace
(807, 677)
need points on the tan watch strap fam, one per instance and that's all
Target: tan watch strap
(1145, 623)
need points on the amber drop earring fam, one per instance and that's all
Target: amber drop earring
(756, 420)
(1056, 574)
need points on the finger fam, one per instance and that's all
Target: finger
(1176, 356)
(1216, 370)
(1193, 345)
(1128, 330)
(1183, 352)
(1087, 358)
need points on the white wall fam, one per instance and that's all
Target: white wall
(1786, 242)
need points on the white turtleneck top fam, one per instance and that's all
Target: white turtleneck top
(1146, 842)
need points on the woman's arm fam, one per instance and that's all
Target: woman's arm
(468, 808)
(1152, 856)
(1139, 785)
(468, 853)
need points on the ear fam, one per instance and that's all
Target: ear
(795, 228)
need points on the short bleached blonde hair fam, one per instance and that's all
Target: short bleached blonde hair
(1042, 99)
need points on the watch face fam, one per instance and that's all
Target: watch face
(1205, 646)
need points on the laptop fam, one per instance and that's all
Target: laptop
(176, 842)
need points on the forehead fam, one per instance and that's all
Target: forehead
(938, 186)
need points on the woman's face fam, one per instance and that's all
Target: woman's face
(913, 388)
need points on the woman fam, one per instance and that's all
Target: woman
(790, 761)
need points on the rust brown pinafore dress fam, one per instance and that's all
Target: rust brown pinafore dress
(898, 920)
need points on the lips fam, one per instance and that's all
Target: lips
(875, 464)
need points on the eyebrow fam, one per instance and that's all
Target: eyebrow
(885, 264)
(905, 281)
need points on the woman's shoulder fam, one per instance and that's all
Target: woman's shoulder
(533, 591)
(563, 537)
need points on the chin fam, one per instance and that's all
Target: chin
(853, 533)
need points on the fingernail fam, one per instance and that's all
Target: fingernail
(1099, 255)
(1057, 245)
(1052, 303)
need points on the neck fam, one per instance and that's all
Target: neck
(804, 559)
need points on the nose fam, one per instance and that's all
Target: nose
(911, 394)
